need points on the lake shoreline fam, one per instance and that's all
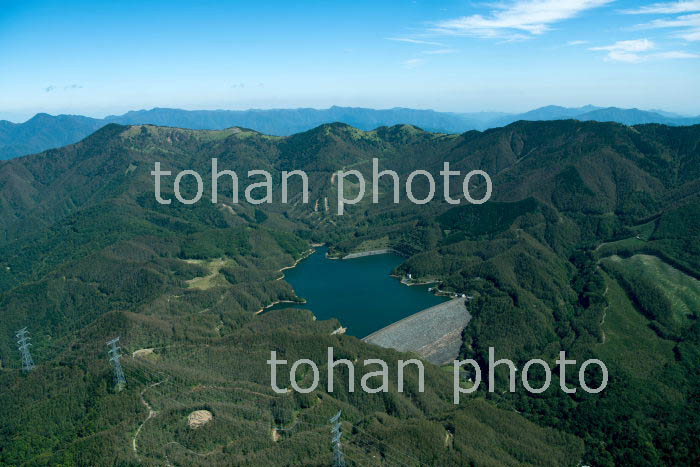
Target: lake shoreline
(306, 254)
(384, 291)
(380, 251)
(277, 302)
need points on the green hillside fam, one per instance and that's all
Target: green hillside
(587, 222)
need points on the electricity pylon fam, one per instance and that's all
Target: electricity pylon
(337, 432)
(114, 356)
(23, 346)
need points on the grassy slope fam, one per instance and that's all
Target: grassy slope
(629, 342)
(682, 290)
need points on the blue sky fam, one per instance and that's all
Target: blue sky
(97, 58)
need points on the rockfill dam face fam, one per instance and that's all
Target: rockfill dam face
(434, 333)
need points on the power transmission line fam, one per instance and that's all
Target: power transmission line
(337, 432)
(114, 356)
(23, 346)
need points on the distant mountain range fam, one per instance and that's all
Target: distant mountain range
(45, 131)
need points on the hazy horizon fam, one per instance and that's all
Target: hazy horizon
(23, 118)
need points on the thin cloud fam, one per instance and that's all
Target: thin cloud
(68, 87)
(665, 8)
(690, 36)
(577, 43)
(635, 45)
(678, 22)
(249, 85)
(440, 51)
(415, 41)
(675, 54)
(413, 62)
(615, 56)
(510, 20)
(689, 25)
(626, 51)
(637, 51)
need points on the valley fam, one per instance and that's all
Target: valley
(87, 254)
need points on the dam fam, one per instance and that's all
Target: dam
(435, 333)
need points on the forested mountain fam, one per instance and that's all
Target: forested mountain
(45, 131)
(587, 220)
(593, 113)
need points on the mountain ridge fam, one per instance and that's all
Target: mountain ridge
(44, 131)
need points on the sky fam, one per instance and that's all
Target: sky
(101, 58)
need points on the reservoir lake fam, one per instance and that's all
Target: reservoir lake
(359, 292)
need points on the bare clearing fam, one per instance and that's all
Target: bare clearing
(141, 353)
(211, 280)
(199, 418)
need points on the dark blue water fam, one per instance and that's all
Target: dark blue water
(359, 292)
